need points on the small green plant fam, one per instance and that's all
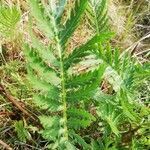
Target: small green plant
(9, 19)
(62, 92)
(121, 105)
(9, 29)
(21, 131)
(67, 94)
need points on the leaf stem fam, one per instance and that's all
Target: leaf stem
(63, 96)
(63, 89)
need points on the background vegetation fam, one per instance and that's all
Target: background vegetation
(117, 117)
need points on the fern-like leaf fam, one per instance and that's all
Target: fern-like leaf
(73, 21)
(86, 91)
(97, 15)
(9, 19)
(84, 50)
(111, 115)
(79, 118)
(41, 16)
(48, 72)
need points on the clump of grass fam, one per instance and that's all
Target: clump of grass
(129, 20)
(122, 21)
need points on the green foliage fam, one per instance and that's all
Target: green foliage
(67, 94)
(79, 119)
(9, 19)
(120, 105)
(72, 23)
(111, 115)
(91, 97)
(60, 91)
(21, 131)
(97, 15)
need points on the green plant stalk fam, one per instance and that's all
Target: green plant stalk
(63, 96)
